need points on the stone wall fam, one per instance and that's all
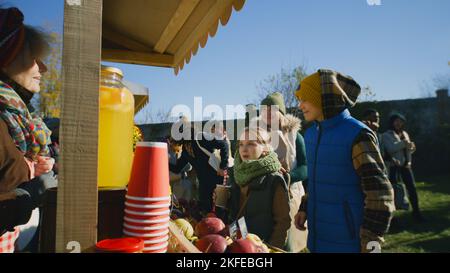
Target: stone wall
(428, 123)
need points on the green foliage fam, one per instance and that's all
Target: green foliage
(49, 105)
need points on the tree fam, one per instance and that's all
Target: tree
(439, 81)
(51, 86)
(148, 116)
(285, 82)
(367, 94)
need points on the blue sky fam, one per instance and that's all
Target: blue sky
(394, 48)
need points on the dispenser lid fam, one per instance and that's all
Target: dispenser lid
(112, 70)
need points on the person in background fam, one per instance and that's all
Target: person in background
(196, 149)
(371, 118)
(259, 191)
(25, 162)
(399, 147)
(290, 148)
(180, 184)
(350, 200)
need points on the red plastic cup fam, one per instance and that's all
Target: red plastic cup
(156, 241)
(147, 221)
(158, 247)
(148, 206)
(143, 202)
(164, 250)
(142, 214)
(150, 212)
(155, 252)
(150, 172)
(148, 199)
(147, 228)
(150, 235)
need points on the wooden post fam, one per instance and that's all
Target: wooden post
(76, 225)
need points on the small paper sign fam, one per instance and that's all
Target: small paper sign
(233, 231)
(243, 227)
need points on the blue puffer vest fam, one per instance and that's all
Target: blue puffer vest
(335, 198)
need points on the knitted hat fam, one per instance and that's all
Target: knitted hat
(12, 35)
(275, 99)
(393, 116)
(310, 90)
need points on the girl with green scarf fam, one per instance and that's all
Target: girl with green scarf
(259, 191)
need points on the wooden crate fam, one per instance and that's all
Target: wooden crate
(178, 243)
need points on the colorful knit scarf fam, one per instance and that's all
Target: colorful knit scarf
(246, 171)
(30, 134)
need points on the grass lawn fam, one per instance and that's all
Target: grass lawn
(405, 235)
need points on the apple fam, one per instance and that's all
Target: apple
(243, 246)
(261, 247)
(212, 243)
(209, 225)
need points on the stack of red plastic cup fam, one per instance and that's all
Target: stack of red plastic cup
(147, 206)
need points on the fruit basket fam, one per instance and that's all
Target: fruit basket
(190, 232)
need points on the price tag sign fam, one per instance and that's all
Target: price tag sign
(243, 227)
(233, 231)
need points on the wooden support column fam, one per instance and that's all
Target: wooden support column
(76, 225)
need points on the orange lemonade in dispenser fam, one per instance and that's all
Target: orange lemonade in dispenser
(115, 147)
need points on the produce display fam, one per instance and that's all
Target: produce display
(210, 235)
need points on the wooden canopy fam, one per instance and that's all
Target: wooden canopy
(161, 33)
(140, 94)
(165, 33)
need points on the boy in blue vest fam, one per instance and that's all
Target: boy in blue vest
(349, 201)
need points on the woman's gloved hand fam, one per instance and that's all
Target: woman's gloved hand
(15, 212)
(38, 187)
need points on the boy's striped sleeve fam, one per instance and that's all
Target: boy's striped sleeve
(379, 195)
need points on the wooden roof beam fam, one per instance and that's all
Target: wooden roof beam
(133, 57)
(184, 10)
(120, 39)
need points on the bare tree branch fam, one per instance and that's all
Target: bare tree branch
(285, 82)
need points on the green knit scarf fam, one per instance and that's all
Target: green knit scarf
(246, 171)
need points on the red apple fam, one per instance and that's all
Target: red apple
(243, 246)
(209, 225)
(212, 243)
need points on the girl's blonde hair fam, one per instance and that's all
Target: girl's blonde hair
(261, 136)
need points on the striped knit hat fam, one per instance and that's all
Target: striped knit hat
(12, 35)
